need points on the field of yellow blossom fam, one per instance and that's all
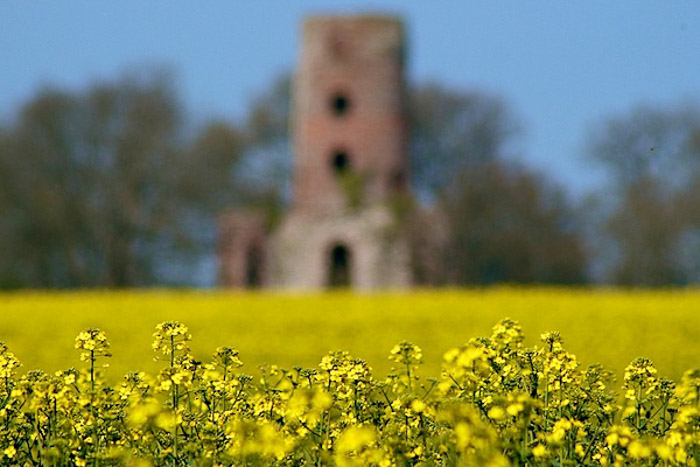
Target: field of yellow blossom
(607, 326)
(495, 402)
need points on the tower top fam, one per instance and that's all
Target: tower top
(348, 114)
(339, 33)
(366, 18)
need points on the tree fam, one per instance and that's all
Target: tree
(452, 131)
(266, 165)
(652, 221)
(262, 178)
(101, 185)
(496, 222)
(507, 224)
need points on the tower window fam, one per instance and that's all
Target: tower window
(340, 104)
(339, 267)
(340, 162)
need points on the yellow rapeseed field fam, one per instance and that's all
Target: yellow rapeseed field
(608, 326)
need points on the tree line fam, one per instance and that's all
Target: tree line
(112, 186)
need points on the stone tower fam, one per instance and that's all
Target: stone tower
(350, 168)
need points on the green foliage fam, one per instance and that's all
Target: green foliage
(353, 186)
(650, 217)
(110, 186)
(496, 402)
(510, 225)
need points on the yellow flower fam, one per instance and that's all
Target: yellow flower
(539, 450)
(355, 438)
(418, 406)
(638, 450)
(664, 451)
(514, 409)
(496, 413)
(166, 421)
(93, 343)
(10, 452)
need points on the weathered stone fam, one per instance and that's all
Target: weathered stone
(242, 245)
(350, 167)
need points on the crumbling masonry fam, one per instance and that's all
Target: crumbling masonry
(350, 175)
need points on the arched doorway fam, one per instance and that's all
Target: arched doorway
(339, 266)
(253, 276)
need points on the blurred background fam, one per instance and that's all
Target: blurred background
(561, 141)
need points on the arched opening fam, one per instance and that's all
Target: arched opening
(340, 262)
(253, 276)
(340, 104)
(340, 162)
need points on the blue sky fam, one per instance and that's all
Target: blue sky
(562, 66)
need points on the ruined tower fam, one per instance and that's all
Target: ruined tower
(350, 166)
(350, 173)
